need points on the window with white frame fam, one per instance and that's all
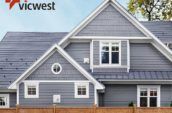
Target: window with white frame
(31, 90)
(148, 96)
(110, 53)
(4, 100)
(56, 68)
(81, 90)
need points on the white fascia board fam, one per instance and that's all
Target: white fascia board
(67, 57)
(107, 38)
(85, 22)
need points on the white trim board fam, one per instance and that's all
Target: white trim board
(107, 38)
(67, 57)
(159, 45)
(55, 81)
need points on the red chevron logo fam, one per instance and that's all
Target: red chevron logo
(12, 2)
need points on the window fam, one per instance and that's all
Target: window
(31, 90)
(110, 53)
(56, 68)
(4, 100)
(81, 90)
(148, 96)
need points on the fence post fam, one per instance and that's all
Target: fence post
(94, 108)
(17, 108)
(54, 108)
(134, 108)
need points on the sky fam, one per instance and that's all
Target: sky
(67, 15)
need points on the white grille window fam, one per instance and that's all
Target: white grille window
(4, 100)
(31, 90)
(81, 90)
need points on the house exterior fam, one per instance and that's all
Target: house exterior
(110, 59)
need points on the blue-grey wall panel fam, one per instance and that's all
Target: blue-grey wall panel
(110, 23)
(96, 56)
(79, 51)
(122, 95)
(69, 72)
(66, 90)
(119, 95)
(147, 57)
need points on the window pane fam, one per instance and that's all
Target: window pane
(143, 101)
(81, 90)
(153, 92)
(105, 57)
(115, 48)
(2, 101)
(31, 90)
(105, 48)
(115, 57)
(153, 101)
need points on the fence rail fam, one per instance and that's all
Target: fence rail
(87, 110)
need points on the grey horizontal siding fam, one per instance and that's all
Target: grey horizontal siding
(166, 95)
(122, 95)
(13, 100)
(69, 72)
(110, 23)
(147, 57)
(119, 95)
(66, 90)
(79, 51)
(96, 54)
(124, 52)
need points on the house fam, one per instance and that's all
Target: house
(110, 59)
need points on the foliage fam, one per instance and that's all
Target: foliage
(131, 104)
(151, 9)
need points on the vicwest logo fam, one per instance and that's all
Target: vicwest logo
(31, 6)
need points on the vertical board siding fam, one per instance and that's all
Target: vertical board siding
(110, 23)
(147, 57)
(79, 51)
(66, 90)
(69, 72)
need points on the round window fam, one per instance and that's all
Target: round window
(56, 68)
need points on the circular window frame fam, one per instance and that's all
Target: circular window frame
(56, 73)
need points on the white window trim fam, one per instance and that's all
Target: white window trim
(26, 84)
(110, 60)
(76, 90)
(8, 100)
(149, 87)
(54, 71)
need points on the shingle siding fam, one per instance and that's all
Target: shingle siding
(147, 57)
(47, 90)
(110, 23)
(69, 72)
(79, 51)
